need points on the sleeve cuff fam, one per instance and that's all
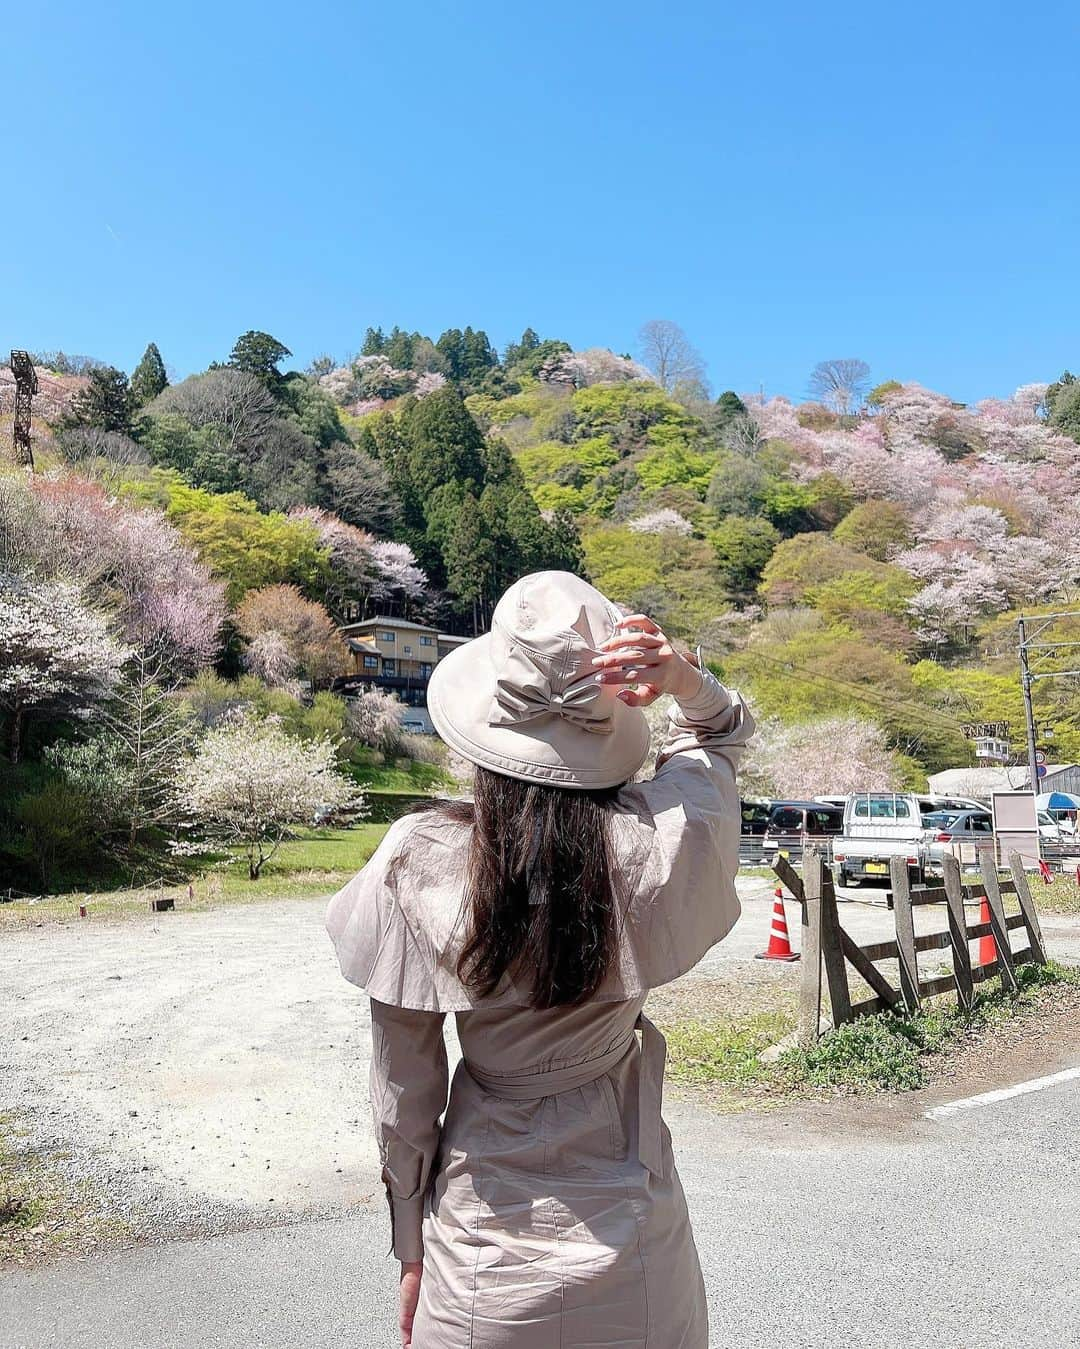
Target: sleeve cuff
(710, 699)
(407, 1226)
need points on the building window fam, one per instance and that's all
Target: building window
(426, 669)
(408, 650)
(389, 667)
(371, 662)
(386, 636)
(426, 641)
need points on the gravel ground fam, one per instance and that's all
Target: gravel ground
(204, 1073)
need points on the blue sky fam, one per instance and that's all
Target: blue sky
(788, 182)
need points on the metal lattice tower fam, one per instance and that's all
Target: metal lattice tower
(26, 385)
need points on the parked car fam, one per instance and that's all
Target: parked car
(879, 826)
(755, 816)
(946, 828)
(793, 824)
(1049, 828)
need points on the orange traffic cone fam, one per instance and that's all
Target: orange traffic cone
(779, 947)
(987, 945)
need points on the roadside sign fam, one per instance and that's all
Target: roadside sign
(1040, 756)
(1040, 768)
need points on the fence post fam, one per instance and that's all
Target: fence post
(958, 938)
(997, 922)
(1027, 908)
(905, 933)
(832, 949)
(810, 988)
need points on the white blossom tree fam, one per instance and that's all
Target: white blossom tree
(374, 718)
(663, 521)
(830, 755)
(56, 653)
(249, 784)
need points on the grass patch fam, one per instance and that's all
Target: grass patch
(314, 864)
(1062, 895)
(876, 1053)
(41, 1214)
(723, 1052)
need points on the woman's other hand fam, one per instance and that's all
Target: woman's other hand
(640, 654)
(408, 1298)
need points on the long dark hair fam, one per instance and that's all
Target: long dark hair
(541, 891)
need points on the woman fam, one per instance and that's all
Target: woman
(546, 1212)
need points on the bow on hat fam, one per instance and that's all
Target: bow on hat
(525, 691)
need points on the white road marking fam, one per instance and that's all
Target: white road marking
(1003, 1094)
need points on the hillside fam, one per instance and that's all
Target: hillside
(857, 571)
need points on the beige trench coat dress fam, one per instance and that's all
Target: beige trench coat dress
(546, 1206)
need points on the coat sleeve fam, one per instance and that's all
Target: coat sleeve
(680, 839)
(409, 1082)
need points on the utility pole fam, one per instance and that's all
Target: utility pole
(1029, 715)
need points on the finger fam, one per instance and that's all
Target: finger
(612, 659)
(630, 673)
(642, 621)
(621, 639)
(641, 696)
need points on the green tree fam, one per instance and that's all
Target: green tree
(199, 453)
(237, 541)
(260, 354)
(1065, 409)
(105, 402)
(738, 486)
(876, 528)
(374, 342)
(149, 377)
(469, 557)
(877, 395)
(314, 411)
(443, 443)
(743, 547)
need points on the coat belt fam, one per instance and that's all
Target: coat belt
(551, 1081)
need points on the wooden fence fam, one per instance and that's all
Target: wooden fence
(827, 948)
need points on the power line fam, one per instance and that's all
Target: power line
(929, 719)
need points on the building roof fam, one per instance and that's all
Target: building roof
(982, 781)
(366, 623)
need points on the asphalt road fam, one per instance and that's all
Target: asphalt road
(886, 1229)
(210, 1070)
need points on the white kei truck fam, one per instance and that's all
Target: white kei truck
(879, 826)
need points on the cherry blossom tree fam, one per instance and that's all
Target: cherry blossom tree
(135, 562)
(664, 521)
(398, 573)
(304, 627)
(374, 719)
(830, 755)
(56, 652)
(249, 783)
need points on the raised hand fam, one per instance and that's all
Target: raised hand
(640, 655)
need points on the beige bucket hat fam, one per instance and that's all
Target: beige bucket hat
(523, 699)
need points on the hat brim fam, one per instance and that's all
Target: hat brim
(550, 749)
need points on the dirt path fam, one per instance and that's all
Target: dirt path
(206, 1072)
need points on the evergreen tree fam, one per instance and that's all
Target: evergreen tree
(469, 556)
(399, 348)
(567, 553)
(374, 342)
(443, 444)
(105, 402)
(260, 354)
(451, 347)
(149, 377)
(516, 351)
